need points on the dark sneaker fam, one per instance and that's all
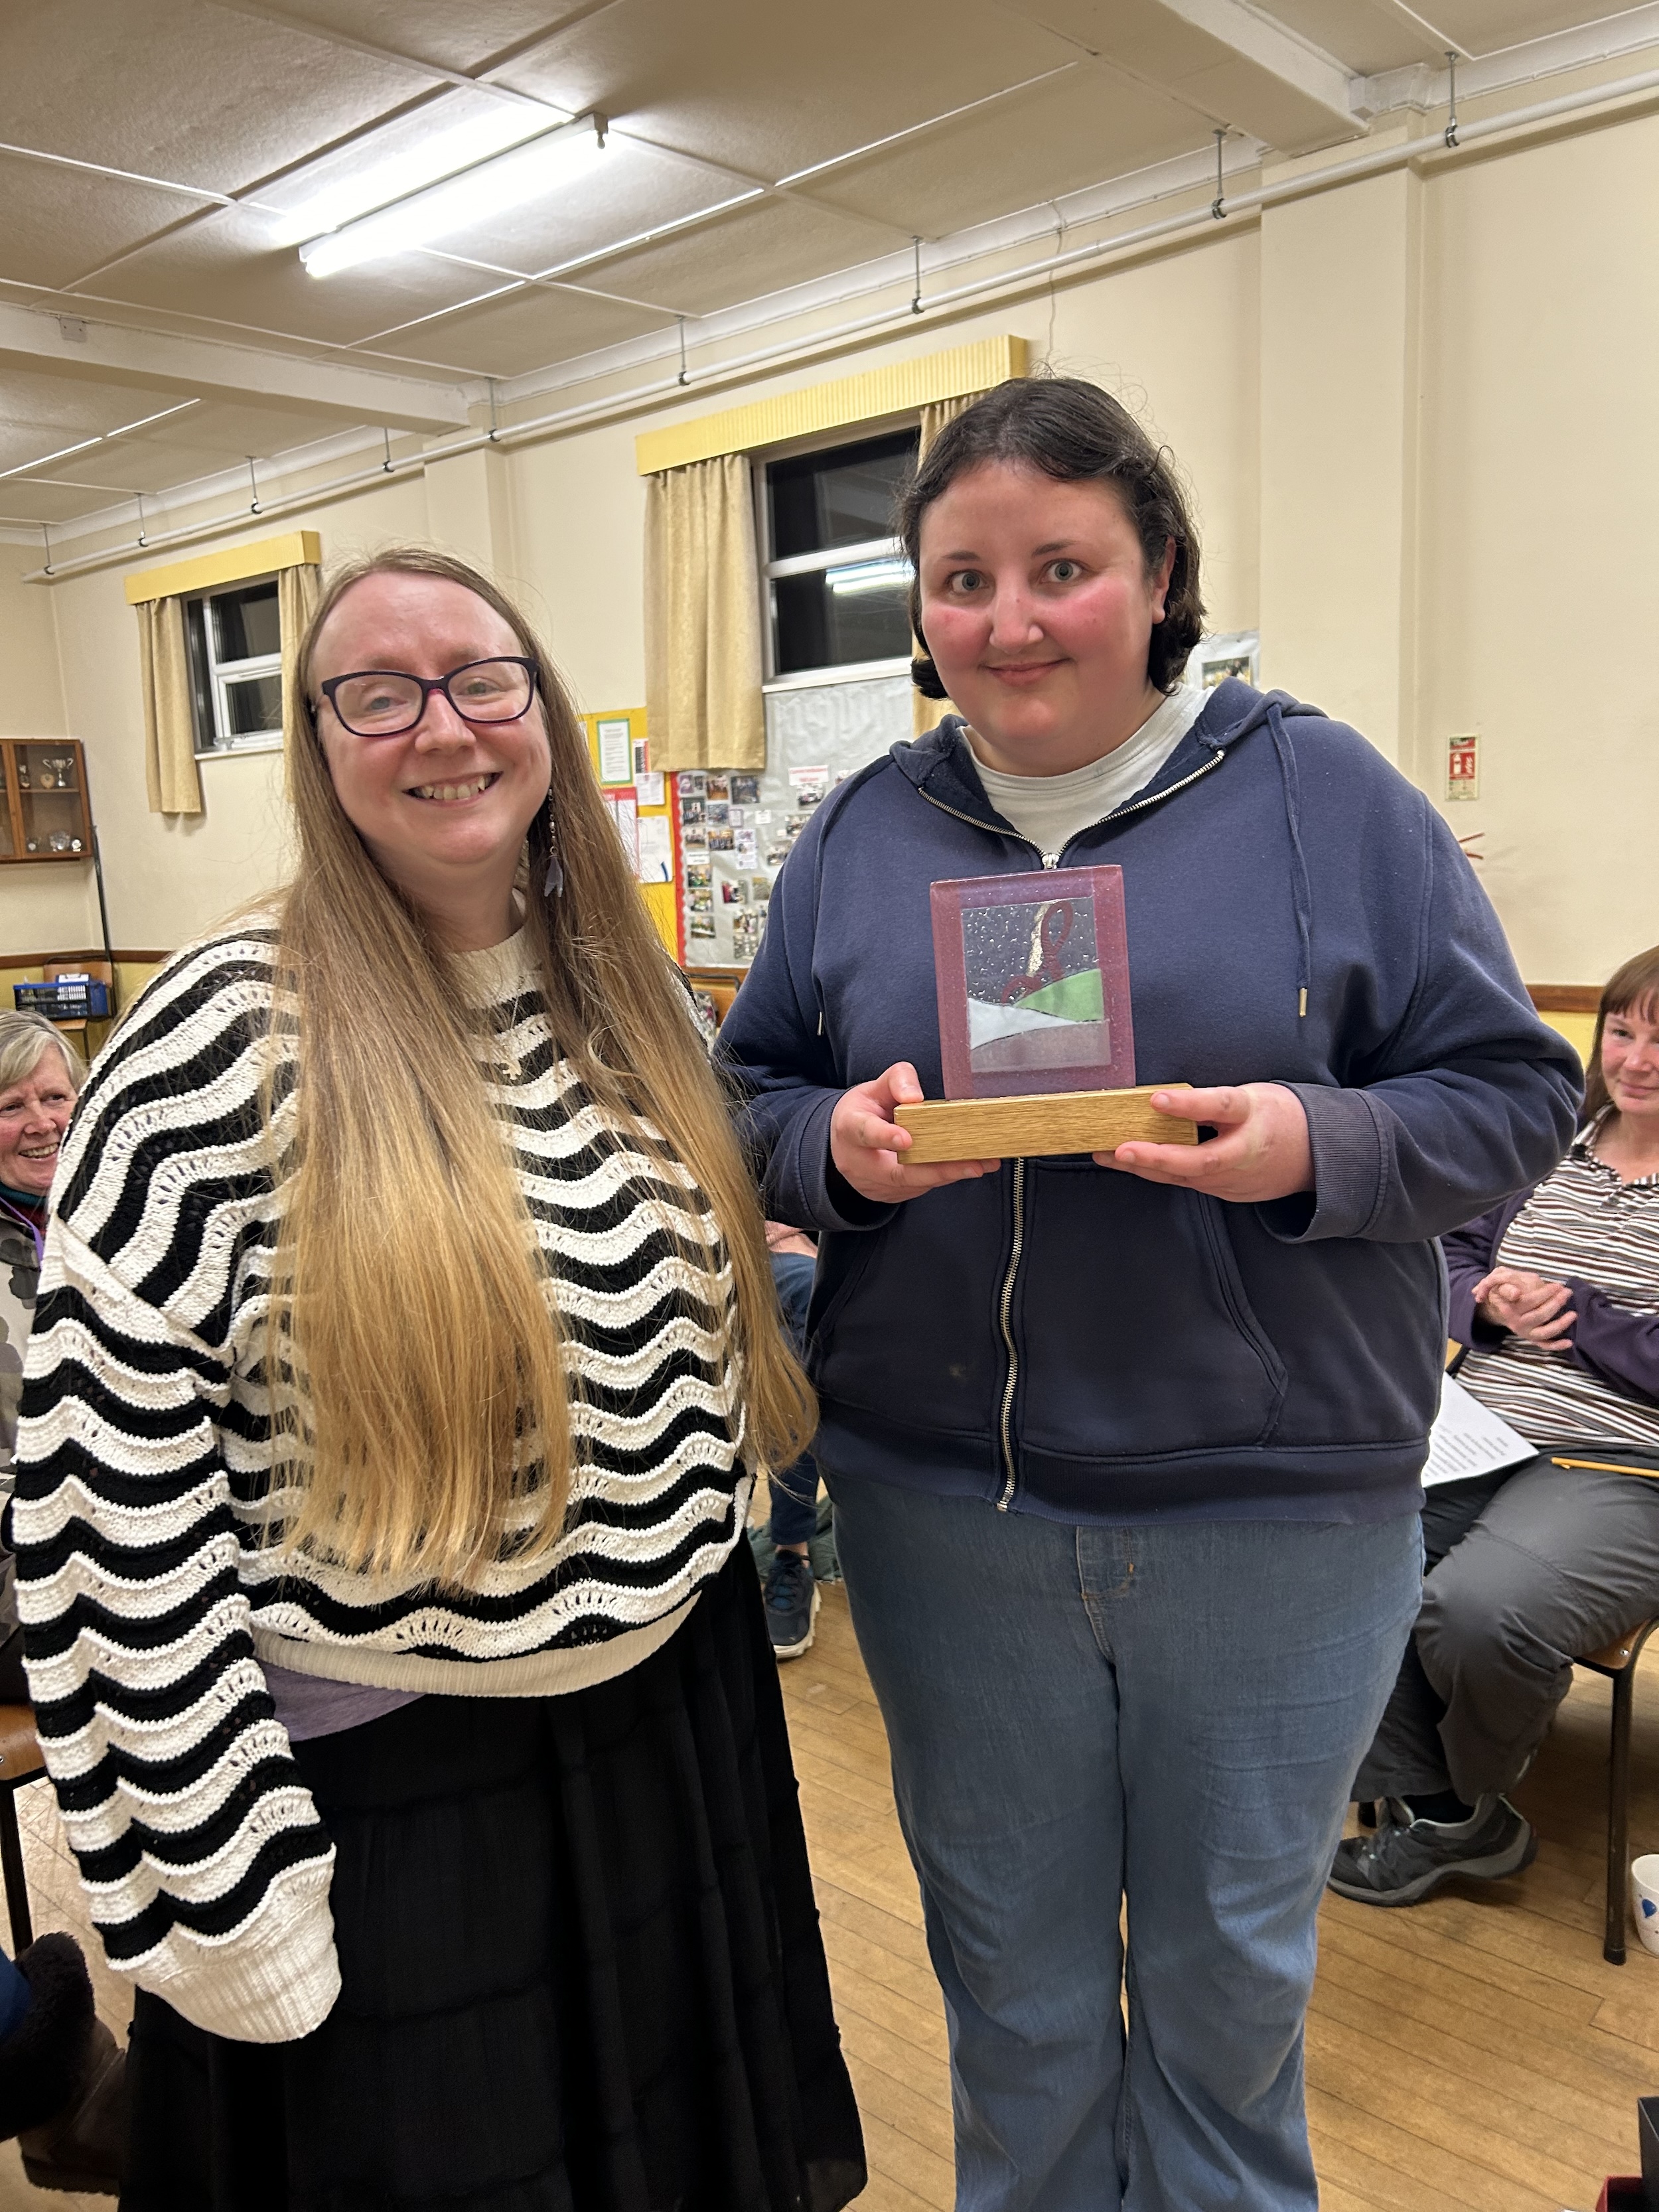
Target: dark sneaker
(792, 1605)
(1407, 1860)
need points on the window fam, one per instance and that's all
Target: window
(837, 582)
(236, 667)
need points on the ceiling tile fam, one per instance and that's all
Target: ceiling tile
(40, 411)
(437, 30)
(1485, 27)
(530, 329)
(775, 88)
(60, 222)
(1053, 139)
(753, 251)
(1366, 35)
(23, 501)
(102, 80)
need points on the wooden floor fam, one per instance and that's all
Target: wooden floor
(1476, 2054)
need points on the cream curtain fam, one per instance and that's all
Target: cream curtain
(298, 591)
(171, 777)
(926, 713)
(702, 617)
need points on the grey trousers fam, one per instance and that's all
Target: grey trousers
(1524, 1571)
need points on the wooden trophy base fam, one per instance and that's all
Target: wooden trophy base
(1030, 1127)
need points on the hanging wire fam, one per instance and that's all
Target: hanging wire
(253, 506)
(143, 526)
(915, 296)
(490, 381)
(1451, 104)
(385, 435)
(47, 534)
(1219, 204)
(1059, 248)
(685, 374)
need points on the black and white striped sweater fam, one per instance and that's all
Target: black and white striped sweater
(144, 1484)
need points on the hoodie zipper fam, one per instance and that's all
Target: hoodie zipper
(1006, 1314)
(1010, 1278)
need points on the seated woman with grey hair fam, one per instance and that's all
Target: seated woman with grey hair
(40, 1078)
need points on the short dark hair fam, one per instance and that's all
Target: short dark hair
(1634, 989)
(1073, 432)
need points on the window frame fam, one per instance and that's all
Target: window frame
(806, 564)
(209, 675)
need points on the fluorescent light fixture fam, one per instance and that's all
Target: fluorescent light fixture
(442, 155)
(488, 189)
(868, 576)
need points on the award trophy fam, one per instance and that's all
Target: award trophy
(1033, 978)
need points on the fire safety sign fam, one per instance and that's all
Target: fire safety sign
(1463, 768)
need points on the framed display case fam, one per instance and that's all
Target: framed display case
(45, 816)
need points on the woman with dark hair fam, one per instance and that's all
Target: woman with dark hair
(1555, 1298)
(1124, 1452)
(406, 1349)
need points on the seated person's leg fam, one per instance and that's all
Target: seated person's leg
(1406, 1760)
(1557, 1563)
(792, 1597)
(1561, 1562)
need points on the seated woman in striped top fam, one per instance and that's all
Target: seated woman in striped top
(1555, 1295)
(405, 1340)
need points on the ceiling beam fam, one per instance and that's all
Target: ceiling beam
(1256, 38)
(114, 353)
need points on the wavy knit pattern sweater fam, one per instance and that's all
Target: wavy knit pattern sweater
(147, 1588)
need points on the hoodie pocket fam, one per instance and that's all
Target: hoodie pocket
(1136, 1339)
(903, 1317)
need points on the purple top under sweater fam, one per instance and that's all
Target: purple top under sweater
(310, 1705)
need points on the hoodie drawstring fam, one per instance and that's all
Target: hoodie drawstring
(1301, 889)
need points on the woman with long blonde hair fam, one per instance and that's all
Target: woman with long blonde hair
(405, 1346)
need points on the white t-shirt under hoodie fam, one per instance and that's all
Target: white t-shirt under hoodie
(1050, 810)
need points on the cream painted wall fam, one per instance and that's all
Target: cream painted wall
(1415, 414)
(1540, 540)
(1339, 296)
(43, 908)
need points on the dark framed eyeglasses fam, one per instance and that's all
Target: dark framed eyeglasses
(382, 702)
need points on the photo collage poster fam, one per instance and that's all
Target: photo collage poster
(737, 827)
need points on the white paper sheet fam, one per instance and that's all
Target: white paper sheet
(1467, 1440)
(625, 815)
(656, 849)
(616, 753)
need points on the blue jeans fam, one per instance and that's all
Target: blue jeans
(1171, 1714)
(794, 1488)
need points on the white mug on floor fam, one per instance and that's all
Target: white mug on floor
(1644, 1896)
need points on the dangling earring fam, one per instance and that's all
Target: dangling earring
(554, 887)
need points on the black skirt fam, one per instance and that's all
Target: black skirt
(581, 1966)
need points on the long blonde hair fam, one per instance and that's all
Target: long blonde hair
(419, 1386)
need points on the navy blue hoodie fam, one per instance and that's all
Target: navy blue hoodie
(1067, 1340)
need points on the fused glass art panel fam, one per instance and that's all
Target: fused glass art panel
(1033, 977)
